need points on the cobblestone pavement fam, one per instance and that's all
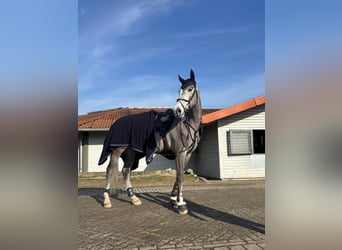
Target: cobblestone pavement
(220, 217)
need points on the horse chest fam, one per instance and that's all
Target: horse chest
(190, 140)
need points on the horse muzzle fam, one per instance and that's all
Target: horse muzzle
(179, 111)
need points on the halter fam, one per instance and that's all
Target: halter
(190, 99)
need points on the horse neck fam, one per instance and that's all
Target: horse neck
(195, 114)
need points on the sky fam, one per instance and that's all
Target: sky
(131, 52)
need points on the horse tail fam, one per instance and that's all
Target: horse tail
(113, 170)
(115, 178)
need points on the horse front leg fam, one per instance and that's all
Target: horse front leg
(174, 194)
(177, 191)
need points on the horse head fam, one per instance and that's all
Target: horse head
(188, 95)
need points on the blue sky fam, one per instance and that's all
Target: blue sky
(131, 52)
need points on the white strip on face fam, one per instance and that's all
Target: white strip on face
(184, 99)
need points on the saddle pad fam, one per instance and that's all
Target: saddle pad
(135, 131)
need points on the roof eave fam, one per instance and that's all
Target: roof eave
(220, 114)
(93, 129)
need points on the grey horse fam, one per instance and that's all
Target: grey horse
(178, 143)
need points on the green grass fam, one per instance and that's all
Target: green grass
(99, 180)
(140, 179)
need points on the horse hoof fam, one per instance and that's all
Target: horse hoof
(136, 201)
(182, 210)
(106, 205)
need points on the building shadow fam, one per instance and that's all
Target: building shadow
(195, 208)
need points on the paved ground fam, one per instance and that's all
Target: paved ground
(220, 217)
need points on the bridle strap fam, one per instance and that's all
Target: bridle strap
(193, 137)
(190, 99)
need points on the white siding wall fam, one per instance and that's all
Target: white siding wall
(95, 143)
(207, 155)
(241, 166)
(159, 163)
(95, 148)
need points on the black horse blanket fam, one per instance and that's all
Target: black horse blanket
(135, 131)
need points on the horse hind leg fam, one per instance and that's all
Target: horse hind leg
(130, 161)
(129, 189)
(111, 175)
(106, 202)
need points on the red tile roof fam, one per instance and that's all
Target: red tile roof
(231, 110)
(104, 119)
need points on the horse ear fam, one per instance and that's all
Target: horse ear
(181, 79)
(192, 75)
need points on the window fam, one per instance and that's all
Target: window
(259, 141)
(239, 142)
(242, 142)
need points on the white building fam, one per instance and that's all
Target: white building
(232, 146)
(233, 142)
(92, 130)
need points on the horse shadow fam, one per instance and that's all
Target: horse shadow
(97, 194)
(196, 208)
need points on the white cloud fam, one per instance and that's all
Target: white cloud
(139, 91)
(100, 50)
(104, 59)
(96, 49)
(216, 32)
(94, 65)
(120, 21)
(81, 12)
(87, 79)
(127, 98)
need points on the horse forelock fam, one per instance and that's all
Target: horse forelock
(187, 83)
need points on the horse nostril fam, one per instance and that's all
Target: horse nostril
(178, 111)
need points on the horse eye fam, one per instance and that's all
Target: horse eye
(191, 89)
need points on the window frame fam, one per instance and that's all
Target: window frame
(232, 135)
